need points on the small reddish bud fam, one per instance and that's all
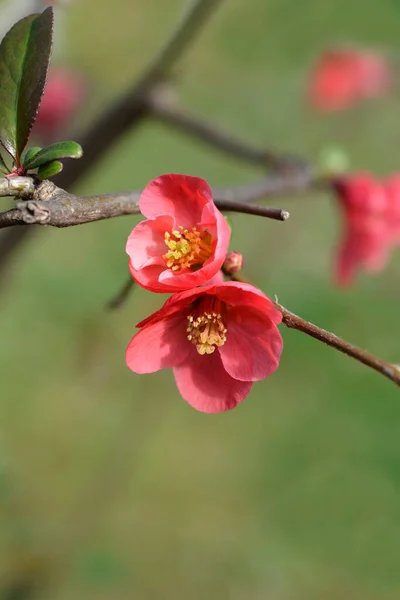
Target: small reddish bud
(234, 262)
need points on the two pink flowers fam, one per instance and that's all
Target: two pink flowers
(218, 337)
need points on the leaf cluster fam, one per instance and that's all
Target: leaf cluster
(24, 63)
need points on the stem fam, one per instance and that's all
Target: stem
(208, 133)
(389, 370)
(122, 296)
(292, 321)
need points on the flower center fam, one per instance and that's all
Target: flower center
(188, 249)
(206, 331)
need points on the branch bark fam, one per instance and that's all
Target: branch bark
(389, 370)
(51, 205)
(292, 321)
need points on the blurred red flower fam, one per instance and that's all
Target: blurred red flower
(185, 238)
(218, 339)
(63, 95)
(343, 77)
(371, 211)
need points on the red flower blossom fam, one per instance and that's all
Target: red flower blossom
(63, 95)
(344, 77)
(218, 339)
(184, 240)
(371, 211)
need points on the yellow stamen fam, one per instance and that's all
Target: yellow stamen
(206, 332)
(187, 249)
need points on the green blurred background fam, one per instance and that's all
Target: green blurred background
(111, 486)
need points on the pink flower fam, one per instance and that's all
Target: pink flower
(63, 95)
(218, 339)
(371, 211)
(343, 77)
(184, 240)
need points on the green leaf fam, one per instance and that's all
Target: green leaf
(54, 152)
(27, 155)
(24, 61)
(50, 169)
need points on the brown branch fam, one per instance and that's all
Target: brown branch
(281, 183)
(51, 205)
(223, 201)
(122, 296)
(389, 370)
(292, 321)
(163, 110)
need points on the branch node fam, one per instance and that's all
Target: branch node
(33, 212)
(45, 191)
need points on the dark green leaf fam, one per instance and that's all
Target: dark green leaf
(53, 152)
(24, 60)
(50, 169)
(27, 155)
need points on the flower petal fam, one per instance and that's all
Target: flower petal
(147, 277)
(172, 282)
(159, 345)
(203, 382)
(217, 279)
(181, 196)
(147, 241)
(253, 346)
(245, 294)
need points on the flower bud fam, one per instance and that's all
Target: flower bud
(233, 263)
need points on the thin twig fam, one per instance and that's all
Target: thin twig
(296, 170)
(250, 209)
(292, 321)
(122, 296)
(389, 370)
(273, 185)
(163, 110)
